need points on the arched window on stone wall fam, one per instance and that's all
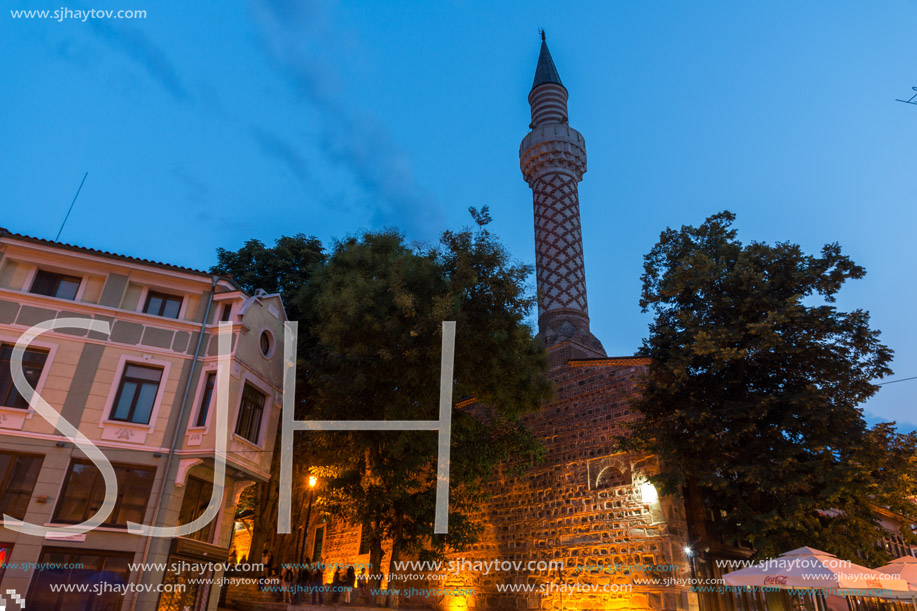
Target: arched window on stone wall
(610, 477)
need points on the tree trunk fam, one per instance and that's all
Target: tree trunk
(695, 511)
(375, 557)
(392, 599)
(264, 522)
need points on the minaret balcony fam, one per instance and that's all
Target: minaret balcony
(552, 147)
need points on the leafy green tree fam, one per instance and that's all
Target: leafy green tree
(751, 400)
(375, 315)
(284, 268)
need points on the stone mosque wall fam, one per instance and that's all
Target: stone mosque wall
(586, 506)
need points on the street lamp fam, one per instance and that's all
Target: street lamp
(305, 528)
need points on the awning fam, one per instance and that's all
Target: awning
(814, 569)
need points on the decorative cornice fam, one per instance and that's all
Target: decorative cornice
(619, 361)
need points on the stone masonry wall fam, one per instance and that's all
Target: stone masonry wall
(584, 507)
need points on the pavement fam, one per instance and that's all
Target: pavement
(277, 606)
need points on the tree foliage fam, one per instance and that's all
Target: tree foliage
(371, 314)
(752, 396)
(375, 312)
(284, 268)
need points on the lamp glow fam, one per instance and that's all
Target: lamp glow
(312, 480)
(688, 550)
(648, 492)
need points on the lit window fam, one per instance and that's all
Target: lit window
(194, 502)
(107, 570)
(18, 473)
(5, 550)
(84, 492)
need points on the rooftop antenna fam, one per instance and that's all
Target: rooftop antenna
(80, 188)
(910, 100)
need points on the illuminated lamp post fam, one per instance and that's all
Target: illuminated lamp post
(305, 528)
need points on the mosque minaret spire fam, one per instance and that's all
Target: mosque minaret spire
(553, 160)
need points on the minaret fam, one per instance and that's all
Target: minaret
(553, 161)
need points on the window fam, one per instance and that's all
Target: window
(56, 285)
(227, 312)
(136, 394)
(206, 399)
(364, 541)
(250, 411)
(318, 543)
(18, 473)
(5, 550)
(186, 587)
(267, 342)
(84, 491)
(99, 568)
(160, 304)
(193, 504)
(33, 361)
(610, 477)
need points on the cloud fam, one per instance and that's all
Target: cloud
(284, 152)
(144, 52)
(295, 37)
(384, 173)
(195, 190)
(298, 37)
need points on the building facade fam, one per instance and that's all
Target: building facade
(145, 394)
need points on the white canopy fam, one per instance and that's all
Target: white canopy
(811, 568)
(905, 568)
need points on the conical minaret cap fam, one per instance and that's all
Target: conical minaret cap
(546, 72)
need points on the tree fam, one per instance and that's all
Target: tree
(285, 268)
(751, 400)
(375, 313)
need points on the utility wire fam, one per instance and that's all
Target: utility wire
(69, 210)
(893, 381)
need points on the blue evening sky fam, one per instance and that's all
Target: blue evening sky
(206, 124)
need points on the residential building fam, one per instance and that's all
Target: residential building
(146, 394)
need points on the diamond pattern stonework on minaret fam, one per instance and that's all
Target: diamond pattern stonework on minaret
(559, 245)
